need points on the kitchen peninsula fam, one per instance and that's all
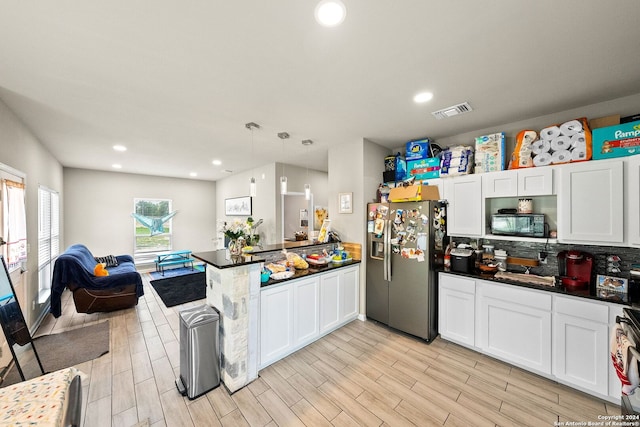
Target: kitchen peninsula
(261, 325)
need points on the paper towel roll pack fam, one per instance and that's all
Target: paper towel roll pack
(567, 142)
(457, 160)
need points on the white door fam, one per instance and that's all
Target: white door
(515, 325)
(535, 181)
(329, 301)
(581, 352)
(500, 184)
(456, 309)
(306, 317)
(591, 202)
(465, 211)
(349, 285)
(276, 323)
(633, 200)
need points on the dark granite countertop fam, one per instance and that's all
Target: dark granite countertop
(310, 272)
(587, 293)
(286, 245)
(219, 259)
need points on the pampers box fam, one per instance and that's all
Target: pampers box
(424, 168)
(616, 141)
(490, 153)
(418, 149)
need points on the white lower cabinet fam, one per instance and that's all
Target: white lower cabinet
(561, 337)
(456, 309)
(514, 324)
(306, 319)
(329, 301)
(298, 312)
(276, 323)
(580, 344)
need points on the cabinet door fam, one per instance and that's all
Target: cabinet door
(633, 199)
(329, 301)
(500, 184)
(456, 309)
(590, 202)
(580, 352)
(535, 181)
(349, 295)
(306, 316)
(464, 214)
(276, 323)
(515, 325)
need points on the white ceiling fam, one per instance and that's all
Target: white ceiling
(176, 81)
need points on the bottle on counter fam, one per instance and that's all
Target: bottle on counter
(447, 258)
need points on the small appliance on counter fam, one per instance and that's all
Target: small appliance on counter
(463, 260)
(576, 269)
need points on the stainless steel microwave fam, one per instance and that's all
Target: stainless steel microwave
(525, 225)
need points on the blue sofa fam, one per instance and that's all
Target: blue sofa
(91, 294)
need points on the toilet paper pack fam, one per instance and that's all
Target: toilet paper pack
(490, 153)
(563, 143)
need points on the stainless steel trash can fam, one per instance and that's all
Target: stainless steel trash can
(199, 351)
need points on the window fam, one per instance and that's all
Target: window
(48, 239)
(152, 225)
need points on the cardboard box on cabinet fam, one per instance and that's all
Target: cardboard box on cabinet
(616, 141)
(414, 193)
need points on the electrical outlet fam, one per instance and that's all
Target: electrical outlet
(542, 257)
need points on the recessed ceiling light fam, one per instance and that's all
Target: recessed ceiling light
(116, 166)
(193, 174)
(120, 148)
(423, 97)
(217, 162)
(330, 13)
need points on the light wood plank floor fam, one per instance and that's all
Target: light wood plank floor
(360, 375)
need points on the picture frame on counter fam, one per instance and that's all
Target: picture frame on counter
(345, 205)
(237, 206)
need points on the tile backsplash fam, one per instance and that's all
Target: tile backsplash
(627, 255)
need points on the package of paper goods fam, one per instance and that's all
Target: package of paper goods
(616, 141)
(490, 153)
(456, 160)
(522, 156)
(568, 142)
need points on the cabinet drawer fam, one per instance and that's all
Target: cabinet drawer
(593, 311)
(517, 295)
(463, 284)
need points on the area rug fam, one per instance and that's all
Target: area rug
(174, 272)
(181, 289)
(63, 350)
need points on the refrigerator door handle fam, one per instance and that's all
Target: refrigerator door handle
(384, 251)
(387, 252)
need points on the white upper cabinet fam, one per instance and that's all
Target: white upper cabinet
(518, 183)
(465, 210)
(633, 200)
(591, 202)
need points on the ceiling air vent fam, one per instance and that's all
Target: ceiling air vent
(452, 111)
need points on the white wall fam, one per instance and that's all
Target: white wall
(267, 203)
(21, 150)
(99, 204)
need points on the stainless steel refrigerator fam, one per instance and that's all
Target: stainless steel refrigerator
(405, 247)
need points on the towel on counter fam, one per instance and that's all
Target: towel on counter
(624, 362)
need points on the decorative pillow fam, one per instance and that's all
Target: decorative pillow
(100, 270)
(109, 260)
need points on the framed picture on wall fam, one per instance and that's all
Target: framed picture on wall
(345, 203)
(238, 206)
